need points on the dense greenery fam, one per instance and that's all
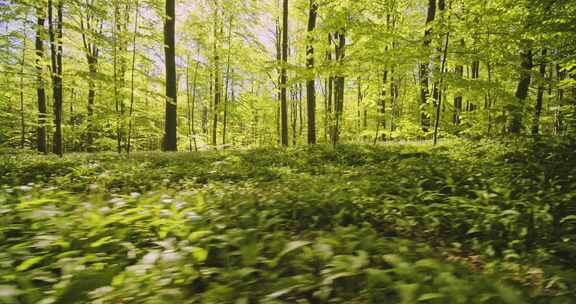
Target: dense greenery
(92, 75)
(338, 151)
(464, 222)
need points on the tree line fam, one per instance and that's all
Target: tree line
(103, 76)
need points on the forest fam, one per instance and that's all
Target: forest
(287, 151)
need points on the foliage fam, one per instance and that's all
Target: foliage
(465, 222)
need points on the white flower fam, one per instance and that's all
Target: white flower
(179, 205)
(193, 216)
(151, 257)
(166, 201)
(117, 202)
(170, 256)
(135, 194)
(25, 188)
(165, 213)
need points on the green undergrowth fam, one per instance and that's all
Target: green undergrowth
(467, 222)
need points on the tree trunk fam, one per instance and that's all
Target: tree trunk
(310, 83)
(558, 121)
(90, 23)
(170, 139)
(133, 69)
(56, 61)
(458, 98)
(521, 92)
(92, 61)
(339, 86)
(225, 118)
(283, 76)
(381, 121)
(22, 116)
(424, 71)
(40, 92)
(217, 92)
(440, 89)
(539, 97)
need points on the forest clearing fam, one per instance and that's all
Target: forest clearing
(287, 151)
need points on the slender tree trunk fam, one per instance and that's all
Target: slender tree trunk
(116, 30)
(382, 105)
(283, 76)
(217, 93)
(170, 138)
(521, 91)
(300, 110)
(458, 98)
(22, 116)
(120, 45)
(441, 84)
(310, 83)
(278, 41)
(188, 101)
(90, 24)
(133, 70)
(539, 97)
(489, 97)
(358, 106)
(225, 118)
(193, 107)
(56, 59)
(91, 96)
(394, 97)
(339, 87)
(424, 71)
(40, 92)
(558, 123)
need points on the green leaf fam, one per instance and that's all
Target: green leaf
(568, 218)
(291, 247)
(29, 263)
(199, 254)
(100, 242)
(197, 235)
(430, 296)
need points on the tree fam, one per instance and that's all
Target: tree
(284, 77)
(424, 71)
(91, 27)
(310, 83)
(56, 34)
(540, 95)
(521, 89)
(40, 92)
(170, 138)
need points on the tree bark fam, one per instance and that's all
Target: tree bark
(339, 86)
(521, 91)
(40, 92)
(440, 89)
(424, 71)
(170, 138)
(133, 69)
(283, 77)
(225, 118)
(56, 60)
(217, 88)
(310, 83)
(540, 96)
(22, 116)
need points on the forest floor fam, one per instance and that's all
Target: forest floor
(467, 222)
